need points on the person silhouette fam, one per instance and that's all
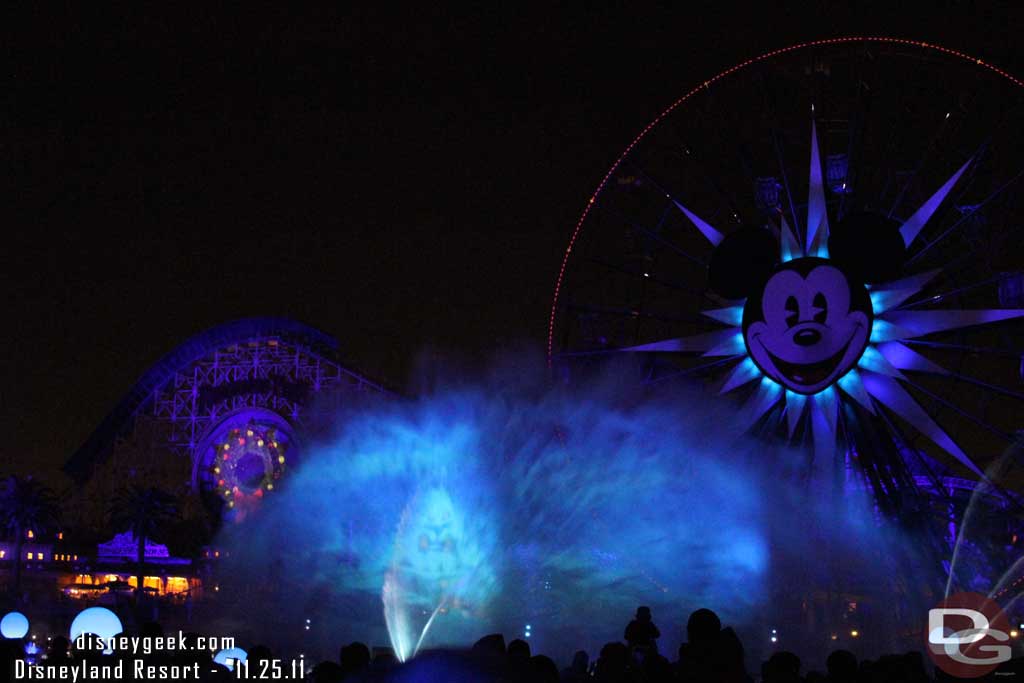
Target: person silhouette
(641, 633)
(842, 666)
(697, 656)
(578, 671)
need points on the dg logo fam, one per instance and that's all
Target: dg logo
(968, 635)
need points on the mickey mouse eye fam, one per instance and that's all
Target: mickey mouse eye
(792, 311)
(820, 308)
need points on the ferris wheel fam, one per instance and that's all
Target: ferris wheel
(829, 235)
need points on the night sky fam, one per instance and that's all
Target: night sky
(405, 181)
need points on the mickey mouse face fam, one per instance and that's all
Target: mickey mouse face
(809, 324)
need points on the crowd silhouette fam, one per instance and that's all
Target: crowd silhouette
(710, 654)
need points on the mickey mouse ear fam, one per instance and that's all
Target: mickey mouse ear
(742, 262)
(868, 246)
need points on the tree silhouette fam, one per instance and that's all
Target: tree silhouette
(26, 505)
(146, 513)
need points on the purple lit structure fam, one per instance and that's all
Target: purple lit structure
(275, 378)
(922, 410)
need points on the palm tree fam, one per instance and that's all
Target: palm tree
(147, 513)
(25, 505)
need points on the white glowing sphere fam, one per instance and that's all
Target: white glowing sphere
(228, 656)
(96, 620)
(14, 625)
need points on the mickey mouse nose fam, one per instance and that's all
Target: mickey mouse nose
(807, 337)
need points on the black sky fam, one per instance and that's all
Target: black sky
(403, 179)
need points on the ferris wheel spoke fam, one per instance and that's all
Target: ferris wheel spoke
(891, 294)
(1010, 116)
(745, 372)
(794, 411)
(626, 270)
(717, 343)
(765, 397)
(894, 139)
(969, 255)
(904, 358)
(962, 412)
(712, 234)
(972, 348)
(991, 387)
(963, 219)
(912, 227)
(929, 143)
(938, 165)
(697, 369)
(907, 324)
(718, 145)
(857, 118)
(674, 248)
(785, 181)
(910, 181)
(890, 393)
(853, 385)
(904, 445)
(936, 298)
(636, 312)
(770, 107)
(817, 208)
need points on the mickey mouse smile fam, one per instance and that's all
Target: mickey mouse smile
(808, 374)
(810, 322)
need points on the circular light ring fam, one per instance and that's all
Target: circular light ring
(706, 84)
(241, 444)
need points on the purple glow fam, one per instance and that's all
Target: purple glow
(824, 434)
(731, 346)
(732, 315)
(920, 323)
(828, 402)
(874, 361)
(851, 383)
(883, 331)
(913, 226)
(905, 358)
(744, 373)
(763, 400)
(817, 213)
(705, 228)
(889, 392)
(794, 409)
(819, 247)
(791, 248)
(699, 342)
(892, 294)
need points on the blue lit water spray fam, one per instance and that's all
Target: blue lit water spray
(481, 508)
(960, 577)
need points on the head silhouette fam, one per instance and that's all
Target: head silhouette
(703, 626)
(518, 650)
